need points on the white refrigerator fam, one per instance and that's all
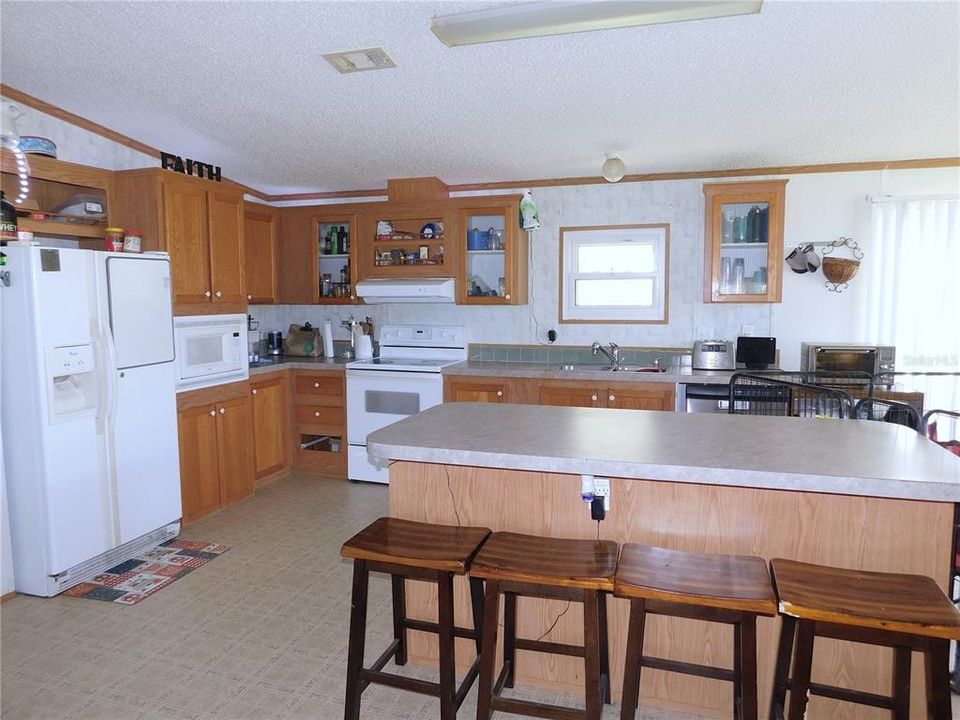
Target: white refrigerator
(89, 417)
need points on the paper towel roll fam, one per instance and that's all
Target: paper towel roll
(327, 339)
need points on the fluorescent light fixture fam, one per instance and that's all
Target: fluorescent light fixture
(560, 17)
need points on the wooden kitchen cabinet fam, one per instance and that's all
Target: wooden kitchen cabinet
(271, 424)
(743, 235)
(201, 226)
(624, 395)
(260, 253)
(475, 389)
(495, 253)
(320, 422)
(302, 260)
(199, 462)
(216, 454)
(642, 396)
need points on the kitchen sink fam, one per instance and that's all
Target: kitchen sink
(594, 367)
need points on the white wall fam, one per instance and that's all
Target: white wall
(820, 207)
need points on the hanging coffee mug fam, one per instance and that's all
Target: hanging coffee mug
(797, 260)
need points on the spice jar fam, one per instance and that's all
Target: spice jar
(132, 241)
(114, 239)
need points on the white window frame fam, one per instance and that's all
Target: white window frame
(572, 238)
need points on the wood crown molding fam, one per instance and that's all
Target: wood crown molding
(917, 163)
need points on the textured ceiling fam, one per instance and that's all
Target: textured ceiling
(243, 85)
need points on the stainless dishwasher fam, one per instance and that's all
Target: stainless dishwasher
(703, 397)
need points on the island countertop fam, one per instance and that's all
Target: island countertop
(846, 457)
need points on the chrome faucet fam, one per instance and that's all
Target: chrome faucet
(613, 354)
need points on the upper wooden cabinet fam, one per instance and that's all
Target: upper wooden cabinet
(199, 224)
(305, 260)
(495, 253)
(743, 233)
(422, 240)
(260, 253)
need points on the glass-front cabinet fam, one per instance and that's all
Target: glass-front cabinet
(743, 235)
(407, 242)
(334, 237)
(495, 254)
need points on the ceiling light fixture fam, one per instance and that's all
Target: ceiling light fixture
(550, 17)
(613, 168)
(351, 61)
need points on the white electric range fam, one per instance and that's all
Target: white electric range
(401, 382)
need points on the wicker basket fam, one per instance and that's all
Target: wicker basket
(840, 270)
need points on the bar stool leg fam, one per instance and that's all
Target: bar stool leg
(778, 701)
(358, 630)
(398, 590)
(802, 663)
(591, 654)
(632, 666)
(448, 661)
(476, 605)
(747, 665)
(510, 637)
(901, 683)
(936, 660)
(488, 658)
(604, 649)
(737, 674)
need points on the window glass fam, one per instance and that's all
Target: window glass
(634, 292)
(622, 257)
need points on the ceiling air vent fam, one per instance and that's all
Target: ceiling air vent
(353, 61)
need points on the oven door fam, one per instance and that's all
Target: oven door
(840, 359)
(376, 399)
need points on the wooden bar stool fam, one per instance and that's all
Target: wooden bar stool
(419, 551)
(562, 569)
(731, 589)
(903, 612)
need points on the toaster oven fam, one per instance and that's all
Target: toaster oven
(878, 361)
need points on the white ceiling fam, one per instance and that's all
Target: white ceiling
(243, 85)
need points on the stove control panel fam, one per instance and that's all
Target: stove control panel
(440, 336)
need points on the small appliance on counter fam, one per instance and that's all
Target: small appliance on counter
(275, 343)
(756, 353)
(714, 355)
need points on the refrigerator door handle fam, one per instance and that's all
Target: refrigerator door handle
(112, 371)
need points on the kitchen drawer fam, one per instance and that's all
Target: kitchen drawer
(320, 414)
(328, 385)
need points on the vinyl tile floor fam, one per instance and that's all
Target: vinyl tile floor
(258, 633)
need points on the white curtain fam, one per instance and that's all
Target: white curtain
(913, 292)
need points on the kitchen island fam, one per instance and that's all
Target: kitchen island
(848, 493)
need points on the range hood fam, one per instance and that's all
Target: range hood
(407, 290)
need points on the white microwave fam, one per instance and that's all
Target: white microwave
(211, 350)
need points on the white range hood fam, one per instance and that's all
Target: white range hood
(407, 290)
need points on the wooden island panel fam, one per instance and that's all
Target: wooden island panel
(848, 531)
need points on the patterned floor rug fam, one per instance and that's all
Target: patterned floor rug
(135, 579)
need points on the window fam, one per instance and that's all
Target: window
(614, 273)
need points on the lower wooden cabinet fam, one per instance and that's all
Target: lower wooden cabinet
(320, 422)
(216, 452)
(461, 389)
(569, 394)
(642, 396)
(271, 425)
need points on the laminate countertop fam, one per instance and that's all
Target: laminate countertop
(553, 371)
(846, 457)
(292, 362)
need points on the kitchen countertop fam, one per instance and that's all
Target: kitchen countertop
(552, 371)
(292, 362)
(847, 457)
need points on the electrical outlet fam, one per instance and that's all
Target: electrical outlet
(601, 488)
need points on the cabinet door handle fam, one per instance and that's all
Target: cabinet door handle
(254, 391)
(218, 293)
(206, 293)
(222, 411)
(213, 413)
(499, 393)
(507, 296)
(593, 397)
(612, 398)
(316, 413)
(249, 297)
(316, 385)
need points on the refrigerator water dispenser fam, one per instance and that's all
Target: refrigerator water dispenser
(72, 386)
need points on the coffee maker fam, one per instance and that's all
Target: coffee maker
(275, 343)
